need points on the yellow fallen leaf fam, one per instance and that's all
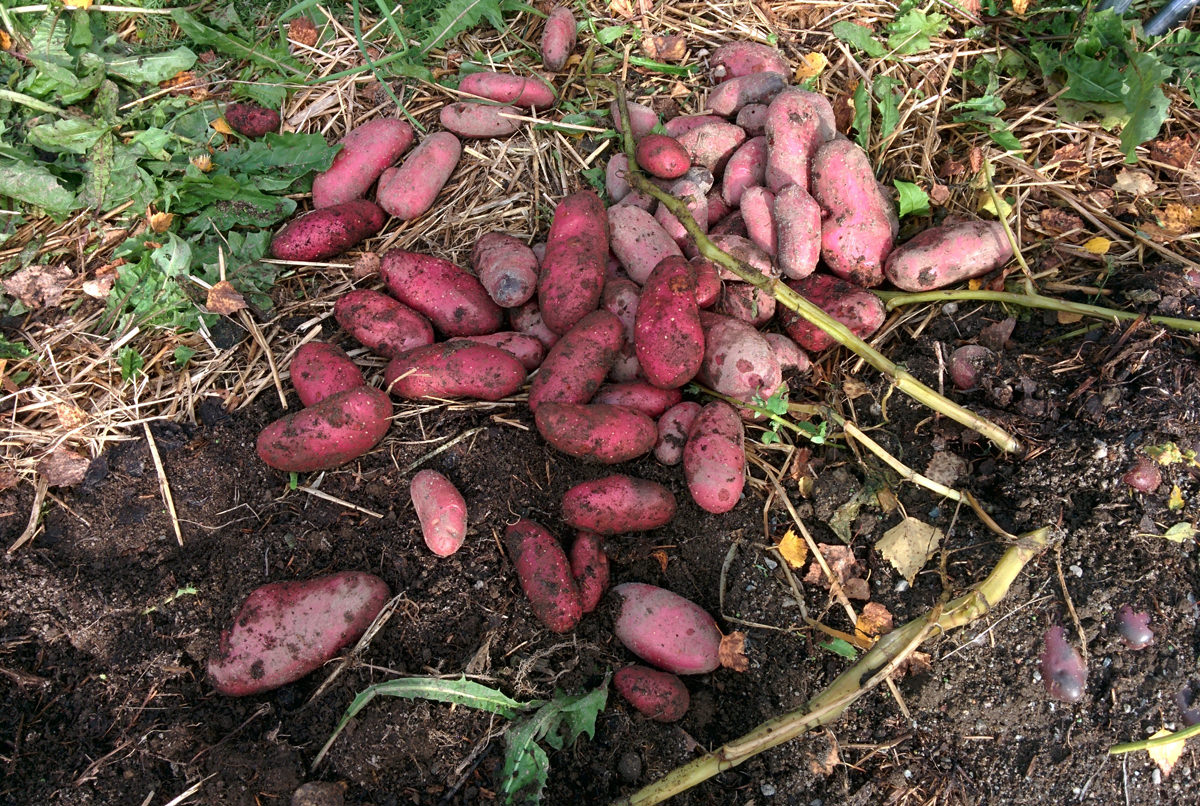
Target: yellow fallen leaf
(811, 65)
(77, 3)
(1167, 754)
(161, 222)
(908, 546)
(1020, 7)
(793, 549)
(220, 125)
(985, 205)
(224, 298)
(1067, 318)
(1176, 499)
(1098, 246)
(873, 621)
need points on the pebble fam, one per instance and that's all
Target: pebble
(629, 767)
(767, 789)
(317, 793)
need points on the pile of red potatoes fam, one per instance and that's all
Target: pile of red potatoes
(614, 314)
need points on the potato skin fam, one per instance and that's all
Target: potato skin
(728, 97)
(639, 241)
(788, 353)
(441, 510)
(454, 369)
(251, 120)
(942, 256)
(474, 121)
(506, 88)
(666, 332)
(381, 324)
(691, 189)
(712, 144)
(366, 151)
(666, 630)
(409, 191)
(522, 346)
(746, 302)
(673, 427)
(856, 225)
(589, 567)
(641, 119)
(714, 458)
(340, 428)
(660, 696)
(662, 156)
(793, 129)
(638, 395)
(734, 59)
(455, 301)
(797, 232)
(746, 169)
(708, 281)
(616, 182)
(329, 231)
(738, 361)
(320, 369)
(527, 319)
(682, 124)
(607, 434)
(758, 211)
(853, 306)
(616, 504)
(576, 260)
(558, 39)
(284, 630)
(752, 118)
(576, 365)
(545, 575)
(506, 267)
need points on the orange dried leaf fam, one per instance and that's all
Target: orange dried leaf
(873, 621)
(302, 31)
(161, 222)
(793, 549)
(812, 64)
(224, 298)
(5, 40)
(661, 556)
(220, 125)
(670, 48)
(70, 416)
(732, 651)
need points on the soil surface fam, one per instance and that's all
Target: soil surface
(106, 622)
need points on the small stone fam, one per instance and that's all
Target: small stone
(319, 793)
(629, 767)
(767, 789)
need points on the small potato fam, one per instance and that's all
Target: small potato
(576, 365)
(620, 298)
(942, 256)
(522, 346)
(746, 302)
(708, 282)
(855, 307)
(366, 151)
(673, 427)
(744, 250)
(656, 695)
(691, 189)
(329, 231)
(728, 97)
(618, 504)
(642, 119)
(753, 119)
(639, 241)
(339, 429)
(968, 362)
(575, 264)
(410, 190)
(714, 458)
(667, 333)
(666, 630)
(251, 120)
(454, 369)
(479, 121)
(662, 156)
(682, 124)
(738, 58)
(616, 182)
(607, 434)
(745, 169)
(793, 131)
(856, 224)
(545, 575)
(320, 369)
(758, 211)
(738, 361)
(788, 353)
(589, 567)
(626, 368)
(381, 324)
(558, 39)
(641, 396)
(527, 319)
(505, 88)
(798, 232)
(441, 511)
(455, 301)
(285, 630)
(506, 267)
(718, 208)
(712, 144)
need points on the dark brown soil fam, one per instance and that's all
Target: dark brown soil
(106, 623)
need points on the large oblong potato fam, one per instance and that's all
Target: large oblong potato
(666, 630)
(639, 241)
(454, 300)
(576, 261)
(506, 88)
(480, 121)
(409, 191)
(951, 253)
(454, 369)
(667, 334)
(857, 219)
(714, 458)
(366, 151)
(575, 366)
(339, 429)
(545, 575)
(381, 324)
(618, 503)
(329, 231)
(607, 434)
(558, 39)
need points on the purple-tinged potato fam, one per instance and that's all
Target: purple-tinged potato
(708, 282)
(366, 151)
(576, 261)
(441, 511)
(855, 307)
(620, 298)
(738, 58)
(251, 120)
(682, 124)
(545, 575)
(666, 630)
(626, 368)
(525, 348)
(454, 369)
(320, 369)
(339, 429)
(507, 269)
(718, 208)
(616, 182)
(454, 300)
(1134, 628)
(329, 231)
(607, 434)
(691, 189)
(712, 144)
(753, 119)
(788, 353)
(662, 156)
(744, 250)
(617, 504)
(638, 199)
(1063, 671)
(667, 333)
(660, 696)
(589, 567)
(746, 302)
(409, 191)
(381, 324)
(856, 224)
(505, 88)
(638, 395)
(285, 630)
(673, 427)
(797, 232)
(539, 251)
(642, 119)
(639, 241)
(746, 169)
(728, 97)
(714, 458)
(758, 211)
(474, 121)
(967, 363)
(951, 253)
(738, 361)
(794, 132)
(1144, 476)
(558, 39)
(527, 319)
(731, 224)
(575, 366)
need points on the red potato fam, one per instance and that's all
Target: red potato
(853, 306)
(734, 59)
(320, 369)
(527, 319)
(339, 429)
(758, 211)
(797, 232)
(712, 144)
(366, 151)
(951, 253)
(409, 191)
(329, 231)
(683, 124)
(753, 119)
(558, 39)
(666, 630)
(746, 251)
(826, 120)
(626, 368)
(718, 208)
(575, 265)
(620, 298)
(856, 224)
(738, 361)
(642, 119)
(667, 333)
(747, 303)
(793, 129)
(607, 434)
(441, 511)
(968, 363)
(788, 353)
(714, 458)
(616, 183)
(618, 504)
(455, 301)
(479, 121)
(284, 630)
(251, 120)
(731, 224)
(507, 269)
(505, 88)
(545, 575)
(662, 156)
(635, 198)
(691, 190)
(638, 395)
(708, 282)
(728, 97)
(589, 567)
(639, 241)
(522, 346)
(660, 696)
(576, 365)
(381, 324)
(745, 169)
(673, 427)
(454, 369)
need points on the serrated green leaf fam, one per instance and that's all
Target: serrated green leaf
(153, 68)
(12, 350)
(859, 37)
(910, 32)
(286, 156)
(35, 185)
(1144, 101)
(862, 115)
(202, 34)
(130, 361)
(71, 135)
(97, 178)
(457, 16)
(888, 97)
(1180, 532)
(913, 200)
(182, 356)
(559, 722)
(841, 647)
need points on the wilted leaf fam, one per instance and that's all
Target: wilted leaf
(70, 416)
(1135, 183)
(1175, 501)
(1175, 151)
(1068, 318)
(909, 545)
(661, 557)
(793, 549)
(732, 651)
(1180, 532)
(161, 222)
(1020, 7)
(1058, 220)
(812, 64)
(1167, 754)
(853, 388)
(844, 516)
(1098, 246)
(224, 298)
(39, 286)
(1166, 454)
(986, 205)
(873, 621)
(1177, 218)
(220, 125)
(840, 560)
(671, 48)
(63, 468)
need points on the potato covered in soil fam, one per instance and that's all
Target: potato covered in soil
(545, 575)
(589, 566)
(320, 369)
(367, 150)
(942, 256)
(525, 348)
(506, 267)
(576, 261)
(673, 427)
(617, 504)
(409, 191)
(454, 369)
(479, 121)
(666, 630)
(441, 510)
(607, 434)
(576, 365)
(641, 396)
(711, 144)
(740, 58)
(340, 428)
(639, 241)
(855, 307)
(380, 323)
(454, 300)
(558, 39)
(738, 361)
(745, 169)
(656, 695)
(329, 231)
(667, 334)
(506, 88)
(728, 97)
(714, 458)
(662, 156)
(251, 119)
(857, 219)
(285, 630)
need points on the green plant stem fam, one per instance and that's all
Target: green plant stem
(1157, 741)
(874, 667)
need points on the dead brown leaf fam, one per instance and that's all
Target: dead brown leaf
(975, 159)
(1101, 199)
(302, 31)
(39, 286)
(669, 48)
(1174, 151)
(1135, 183)
(1057, 220)
(8, 480)
(622, 8)
(840, 560)
(939, 194)
(824, 764)
(873, 621)
(732, 652)
(161, 222)
(1069, 158)
(63, 467)
(662, 558)
(843, 112)
(857, 588)
(915, 663)
(70, 416)
(224, 298)
(1177, 218)
(853, 388)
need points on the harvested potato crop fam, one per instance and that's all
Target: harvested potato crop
(639, 241)
(739, 58)
(366, 151)
(638, 395)
(505, 88)
(441, 511)
(853, 306)
(408, 191)
(714, 458)
(606, 434)
(251, 119)
(712, 144)
(327, 232)
(728, 97)
(525, 348)
(506, 267)
(558, 39)
(576, 365)
(738, 361)
(479, 121)
(589, 566)
(617, 504)
(454, 300)
(797, 232)
(673, 427)
(857, 219)
(381, 324)
(545, 575)
(951, 253)
(662, 156)
(746, 169)
(320, 369)
(576, 260)
(642, 119)
(656, 695)
(454, 369)
(667, 334)
(666, 630)
(328, 434)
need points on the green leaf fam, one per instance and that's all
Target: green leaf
(264, 89)
(1180, 532)
(98, 173)
(611, 33)
(71, 135)
(460, 15)
(151, 69)
(859, 37)
(279, 156)
(36, 186)
(558, 722)
(910, 33)
(1144, 101)
(12, 350)
(913, 200)
(231, 45)
(887, 95)
(839, 646)
(130, 361)
(862, 115)
(183, 355)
